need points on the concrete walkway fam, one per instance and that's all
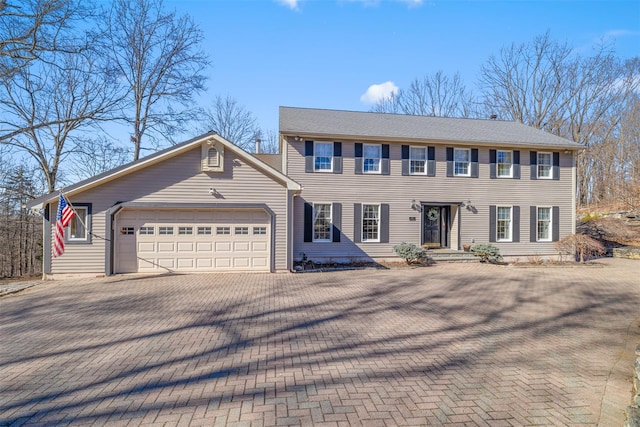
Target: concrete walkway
(461, 344)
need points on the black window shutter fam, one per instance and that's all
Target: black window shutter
(533, 224)
(358, 157)
(556, 165)
(474, 163)
(516, 164)
(492, 164)
(357, 223)
(384, 223)
(337, 157)
(492, 223)
(533, 161)
(385, 164)
(515, 231)
(336, 221)
(405, 160)
(449, 161)
(555, 217)
(431, 161)
(308, 156)
(308, 222)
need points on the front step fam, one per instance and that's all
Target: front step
(450, 255)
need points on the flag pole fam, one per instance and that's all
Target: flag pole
(74, 211)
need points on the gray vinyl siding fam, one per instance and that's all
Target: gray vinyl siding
(399, 191)
(175, 180)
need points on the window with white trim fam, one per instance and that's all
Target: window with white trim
(213, 158)
(223, 230)
(323, 156)
(204, 231)
(418, 160)
(372, 155)
(126, 231)
(76, 230)
(461, 162)
(241, 230)
(370, 223)
(503, 223)
(543, 221)
(545, 165)
(165, 231)
(146, 230)
(259, 230)
(504, 160)
(322, 222)
(185, 231)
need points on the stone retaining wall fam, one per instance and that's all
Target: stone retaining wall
(630, 252)
(633, 411)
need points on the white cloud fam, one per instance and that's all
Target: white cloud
(379, 92)
(291, 4)
(412, 3)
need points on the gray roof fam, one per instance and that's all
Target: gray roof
(397, 127)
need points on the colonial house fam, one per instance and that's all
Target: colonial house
(347, 186)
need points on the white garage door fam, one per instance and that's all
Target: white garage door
(172, 240)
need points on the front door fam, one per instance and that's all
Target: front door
(435, 220)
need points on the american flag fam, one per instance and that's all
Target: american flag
(65, 213)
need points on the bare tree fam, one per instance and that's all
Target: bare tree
(96, 155)
(160, 60)
(232, 121)
(432, 95)
(269, 141)
(46, 104)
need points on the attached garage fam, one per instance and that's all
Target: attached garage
(191, 240)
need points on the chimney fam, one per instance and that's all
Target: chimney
(258, 141)
(493, 116)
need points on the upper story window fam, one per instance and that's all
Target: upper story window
(461, 161)
(505, 164)
(503, 224)
(372, 154)
(545, 164)
(370, 223)
(323, 157)
(418, 160)
(322, 222)
(543, 221)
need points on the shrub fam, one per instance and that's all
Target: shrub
(410, 252)
(487, 253)
(583, 246)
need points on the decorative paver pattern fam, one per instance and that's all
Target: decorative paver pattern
(456, 344)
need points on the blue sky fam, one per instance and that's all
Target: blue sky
(327, 53)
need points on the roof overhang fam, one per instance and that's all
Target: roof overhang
(159, 157)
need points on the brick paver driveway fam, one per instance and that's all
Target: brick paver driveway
(450, 344)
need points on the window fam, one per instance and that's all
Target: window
(165, 231)
(370, 223)
(503, 224)
(545, 164)
(323, 156)
(147, 231)
(76, 230)
(505, 164)
(212, 156)
(371, 158)
(126, 231)
(204, 231)
(418, 160)
(544, 224)
(185, 231)
(259, 230)
(461, 159)
(242, 230)
(223, 230)
(322, 222)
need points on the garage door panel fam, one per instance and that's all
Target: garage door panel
(185, 246)
(243, 242)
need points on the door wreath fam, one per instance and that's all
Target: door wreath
(432, 214)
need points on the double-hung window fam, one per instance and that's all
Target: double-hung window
(503, 223)
(461, 162)
(372, 155)
(322, 231)
(418, 160)
(544, 218)
(323, 156)
(77, 230)
(545, 164)
(370, 223)
(505, 164)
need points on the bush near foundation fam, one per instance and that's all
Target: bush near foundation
(411, 253)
